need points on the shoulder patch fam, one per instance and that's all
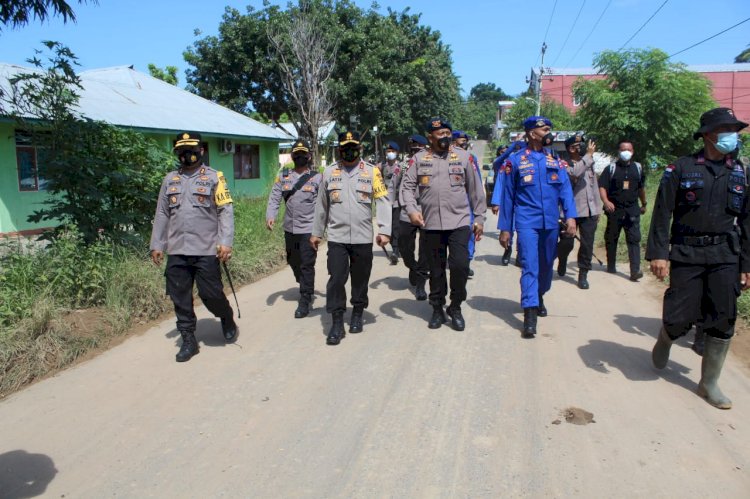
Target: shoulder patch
(222, 196)
(378, 187)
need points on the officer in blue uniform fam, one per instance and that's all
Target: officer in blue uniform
(497, 193)
(536, 187)
(461, 139)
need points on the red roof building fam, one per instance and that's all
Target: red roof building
(730, 84)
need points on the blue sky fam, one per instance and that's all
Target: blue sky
(492, 41)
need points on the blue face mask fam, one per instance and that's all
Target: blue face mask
(726, 142)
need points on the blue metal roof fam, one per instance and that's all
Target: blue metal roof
(125, 97)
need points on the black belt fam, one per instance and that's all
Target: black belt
(699, 240)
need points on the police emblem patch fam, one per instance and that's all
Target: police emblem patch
(173, 199)
(335, 195)
(173, 189)
(424, 180)
(690, 196)
(528, 178)
(176, 178)
(201, 189)
(554, 176)
(201, 199)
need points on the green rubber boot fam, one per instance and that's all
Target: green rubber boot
(660, 353)
(714, 353)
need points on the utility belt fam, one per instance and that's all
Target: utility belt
(706, 240)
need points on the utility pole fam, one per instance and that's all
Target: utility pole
(539, 82)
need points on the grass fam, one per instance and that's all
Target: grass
(63, 301)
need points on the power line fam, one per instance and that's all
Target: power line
(575, 21)
(709, 38)
(643, 25)
(590, 33)
(549, 23)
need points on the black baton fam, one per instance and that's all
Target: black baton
(386, 253)
(231, 286)
(564, 225)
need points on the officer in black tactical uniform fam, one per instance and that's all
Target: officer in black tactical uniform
(705, 197)
(194, 224)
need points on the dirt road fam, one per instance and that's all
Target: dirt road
(397, 411)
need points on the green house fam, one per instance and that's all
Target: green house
(245, 150)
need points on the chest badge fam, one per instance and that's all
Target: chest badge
(173, 189)
(176, 178)
(528, 178)
(173, 199)
(201, 189)
(554, 176)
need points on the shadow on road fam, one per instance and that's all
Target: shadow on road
(491, 259)
(501, 308)
(394, 283)
(291, 294)
(633, 363)
(25, 475)
(642, 326)
(409, 306)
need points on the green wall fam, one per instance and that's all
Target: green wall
(16, 206)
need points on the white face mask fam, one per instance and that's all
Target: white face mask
(390, 156)
(626, 155)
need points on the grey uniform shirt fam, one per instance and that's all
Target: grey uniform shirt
(344, 205)
(447, 186)
(194, 213)
(391, 176)
(585, 187)
(403, 216)
(300, 207)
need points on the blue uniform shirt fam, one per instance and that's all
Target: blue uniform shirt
(536, 185)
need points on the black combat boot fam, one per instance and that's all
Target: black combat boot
(713, 361)
(229, 329)
(189, 347)
(541, 309)
(529, 322)
(336, 333)
(355, 323)
(562, 267)
(303, 306)
(471, 273)
(611, 267)
(635, 276)
(506, 257)
(457, 319)
(583, 281)
(419, 290)
(438, 317)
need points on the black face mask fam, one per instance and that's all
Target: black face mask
(414, 150)
(548, 139)
(189, 158)
(350, 154)
(464, 146)
(300, 161)
(444, 143)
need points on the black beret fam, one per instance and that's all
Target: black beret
(437, 124)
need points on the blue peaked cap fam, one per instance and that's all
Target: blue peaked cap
(536, 122)
(419, 139)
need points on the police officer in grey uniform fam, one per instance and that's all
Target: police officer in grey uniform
(299, 190)
(344, 208)
(448, 188)
(416, 262)
(391, 171)
(194, 224)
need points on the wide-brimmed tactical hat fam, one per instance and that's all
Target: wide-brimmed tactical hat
(187, 139)
(348, 138)
(717, 117)
(301, 146)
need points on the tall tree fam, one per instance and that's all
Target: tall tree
(390, 70)
(478, 113)
(743, 56)
(168, 74)
(561, 118)
(644, 98)
(306, 60)
(18, 13)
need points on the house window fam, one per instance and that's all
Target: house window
(246, 161)
(30, 160)
(576, 101)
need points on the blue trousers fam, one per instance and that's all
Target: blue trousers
(472, 243)
(538, 250)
